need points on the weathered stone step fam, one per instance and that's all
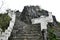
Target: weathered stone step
(25, 37)
(29, 34)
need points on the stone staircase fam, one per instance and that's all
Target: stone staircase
(22, 31)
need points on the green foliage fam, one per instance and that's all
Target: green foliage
(4, 21)
(51, 35)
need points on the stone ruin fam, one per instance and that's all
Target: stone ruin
(23, 28)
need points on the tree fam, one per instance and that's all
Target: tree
(4, 21)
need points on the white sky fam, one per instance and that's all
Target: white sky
(50, 5)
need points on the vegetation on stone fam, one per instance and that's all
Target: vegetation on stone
(53, 31)
(51, 35)
(4, 21)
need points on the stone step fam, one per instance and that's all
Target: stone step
(28, 34)
(25, 37)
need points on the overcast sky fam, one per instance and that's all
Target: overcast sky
(50, 5)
